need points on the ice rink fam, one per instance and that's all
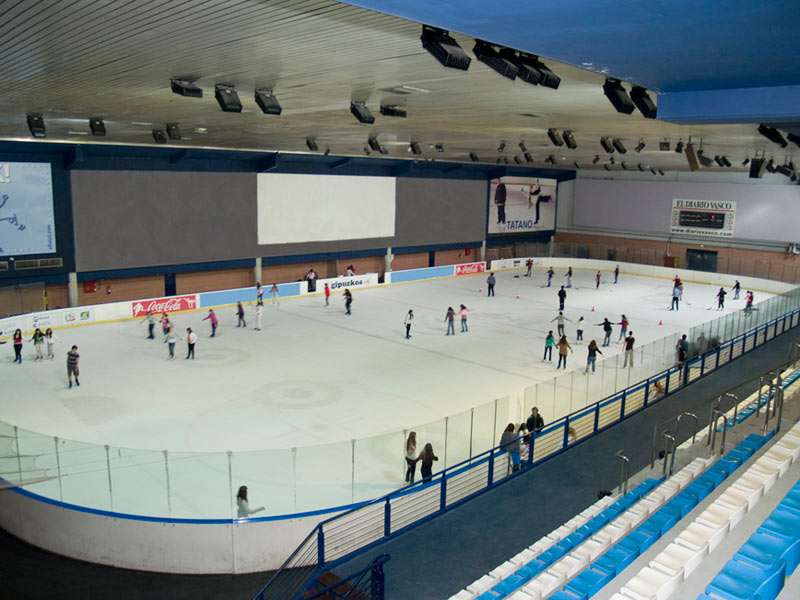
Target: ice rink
(315, 376)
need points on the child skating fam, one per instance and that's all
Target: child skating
(240, 315)
(214, 321)
(563, 348)
(259, 312)
(327, 294)
(38, 343)
(72, 366)
(348, 301)
(463, 312)
(275, 295)
(549, 342)
(579, 330)
(51, 338)
(172, 338)
(408, 322)
(449, 319)
(569, 277)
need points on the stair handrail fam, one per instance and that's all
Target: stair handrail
(677, 429)
(624, 471)
(717, 415)
(669, 446)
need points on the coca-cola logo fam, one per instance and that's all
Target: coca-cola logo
(164, 305)
(470, 268)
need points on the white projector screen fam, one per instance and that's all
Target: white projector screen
(316, 208)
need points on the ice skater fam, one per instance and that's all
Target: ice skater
(240, 315)
(348, 300)
(38, 343)
(18, 346)
(150, 319)
(463, 312)
(449, 319)
(51, 338)
(259, 312)
(529, 264)
(676, 298)
(549, 342)
(550, 274)
(72, 366)
(243, 509)
(736, 287)
(569, 277)
(274, 291)
(411, 457)
(191, 340)
(563, 347)
(259, 293)
(490, 281)
(597, 280)
(560, 325)
(426, 457)
(327, 295)
(591, 359)
(624, 324)
(579, 330)
(721, 299)
(172, 338)
(748, 302)
(616, 274)
(562, 297)
(165, 325)
(214, 321)
(606, 325)
(408, 322)
(628, 350)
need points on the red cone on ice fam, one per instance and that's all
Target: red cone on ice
(593, 309)
(480, 290)
(517, 296)
(659, 322)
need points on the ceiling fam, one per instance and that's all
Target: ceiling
(71, 60)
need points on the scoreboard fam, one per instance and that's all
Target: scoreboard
(706, 218)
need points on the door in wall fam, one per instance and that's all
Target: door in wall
(170, 289)
(701, 260)
(17, 299)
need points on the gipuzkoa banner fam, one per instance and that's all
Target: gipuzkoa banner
(707, 218)
(164, 305)
(521, 205)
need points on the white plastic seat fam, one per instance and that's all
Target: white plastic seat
(593, 547)
(651, 584)
(545, 584)
(570, 565)
(715, 515)
(463, 595)
(613, 532)
(524, 557)
(482, 584)
(696, 535)
(683, 478)
(523, 595)
(749, 482)
(789, 447)
(561, 532)
(735, 497)
(767, 475)
(675, 557)
(504, 570)
(781, 462)
(650, 504)
(633, 517)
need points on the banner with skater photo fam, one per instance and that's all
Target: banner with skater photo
(521, 205)
(27, 222)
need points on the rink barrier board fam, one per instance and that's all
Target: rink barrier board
(549, 442)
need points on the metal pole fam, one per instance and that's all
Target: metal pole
(58, 469)
(779, 402)
(108, 469)
(623, 477)
(294, 476)
(230, 479)
(471, 428)
(669, 442)
(19, 458)
(352, 470)
(446, 419)
(169, 492)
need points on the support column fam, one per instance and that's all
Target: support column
(257, 270)
(483, 251)
(72, 289)
(387, 260)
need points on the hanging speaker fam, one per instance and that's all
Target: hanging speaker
(757, 166)
(691, 157)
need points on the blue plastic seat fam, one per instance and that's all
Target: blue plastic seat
(509, 584)
(615, 560)
(741, 453)
(701, 489)
(639, 540)
(532, 569)
(763, 550)
(791, 502)
(683, 503)
(661, 522)
(588, 582)
(551, 555)
(731, 462)
(741, 581)
(718, 473)
(782, 523)
(566, 595)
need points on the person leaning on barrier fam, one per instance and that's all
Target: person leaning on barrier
(509, 442)
(535, 422)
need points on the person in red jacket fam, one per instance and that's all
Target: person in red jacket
(327, 294)
(214, 321)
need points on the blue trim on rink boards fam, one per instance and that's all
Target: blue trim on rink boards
(248, 294)
(420, 274)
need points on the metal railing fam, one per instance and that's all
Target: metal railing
(624, 472)
(341, 537)
(352, 584)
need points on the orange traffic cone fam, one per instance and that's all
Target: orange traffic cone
(659, 322)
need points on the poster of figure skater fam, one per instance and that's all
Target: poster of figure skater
(521, 205)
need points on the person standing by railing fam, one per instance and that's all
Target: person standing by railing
(509, 442)
(243, 505)
(628, 350)
(427, 457)
(411, 457)
(535, 421)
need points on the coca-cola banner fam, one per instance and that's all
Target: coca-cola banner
(164, 305)
(470, 268)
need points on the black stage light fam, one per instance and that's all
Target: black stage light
(551, 159)
(555, 137)
(227, 98)
(726, 162)
(576, 164)
(624, 166)
(641, 167)
(784, 170)
(640, 146)
(773, 135)
(660, 172)
(327, 151)
(653, 171)
(705, 161)
(439, 148)
(415, 148)
(159, 136)
(607, 145)
(492, 59)
(606, 167)
(611, 160)
(794, 138)
(691, 157)
(569, 140)
(501, 147)
(679, 147)
(444, 48)
(185, 88)
(518, 160)
(770, 166)
(97, 126)
(663, 146)
(267, 102)
(361, 112)
(595, 160)
(173, 131)
(530, 69)
(528, 157)
(36, 125)
(619, 146)
(523, 147)
(745, 161)
(374, 144)
(718, 160)
(643, 102)
(546, 77)
(617, 95)
(312, 144)
(473, 157)
(505, 160)
(392, 111)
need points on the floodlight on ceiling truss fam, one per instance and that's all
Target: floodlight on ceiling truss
(186, 88)
(746, 161)
(618, 145)
(641, 167)
(606, 167)
(784, 170)
(473, 157)
(607, 145)
(439, 148)
(173, 131)
(773, 135)
(528, 157)
(718, 160)
(726, 162)
(653, 171)
(374, 143)
(611, 160)
(518, 160)
(392, 111)
(97, 126)
(660, 172)
(569, 140)
(159, 136)
(679, 147)
(227, 98)
(312, 145)
(643, 102)
(794, 138)
(596, 159)
(523, 147)
(414, 147)
(361, 112)
(487, 54)
(530, 69)
(555, 137)
(267, 102)
(501, 147)
(444, 48)
(640, 146)
(663, 146)
(36, 125)
(624, 165)
(618, 97)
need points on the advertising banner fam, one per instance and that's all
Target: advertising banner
(513, 263)
(471, 268)
(707, 218)
(164, 305)
(521, 205)
(26, 209)
(76, 316)
(338, 284)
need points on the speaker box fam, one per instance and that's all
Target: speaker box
(444, 48)
(691, 157)
(618, 96)
(36, 125)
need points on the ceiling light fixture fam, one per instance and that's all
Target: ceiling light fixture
(607, 145)
(618, 145)
(186, 88)
(392, 111)
(267, 102)
(569, 140)
(555, 137)
(97, 126)
(726, 162)
(596, 159)
(528, 157)
(361, 112)
(312, 144)
(444, 48)
(414, 147)
(36, 125)
(679, 147)
(439, 148)
(473, 157)
(501, 147)
(227, 98)
(640, 146)
(773, 135)
(367, 150)
(718, 160)
(551, 159)
(486, 53)
(522, 147)
(745, 161)
(576, 164)
(159, 136)
(606, 167)
(660, 172)
(173, 131)
(618, 97)
(643, 102)
(530, 69)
